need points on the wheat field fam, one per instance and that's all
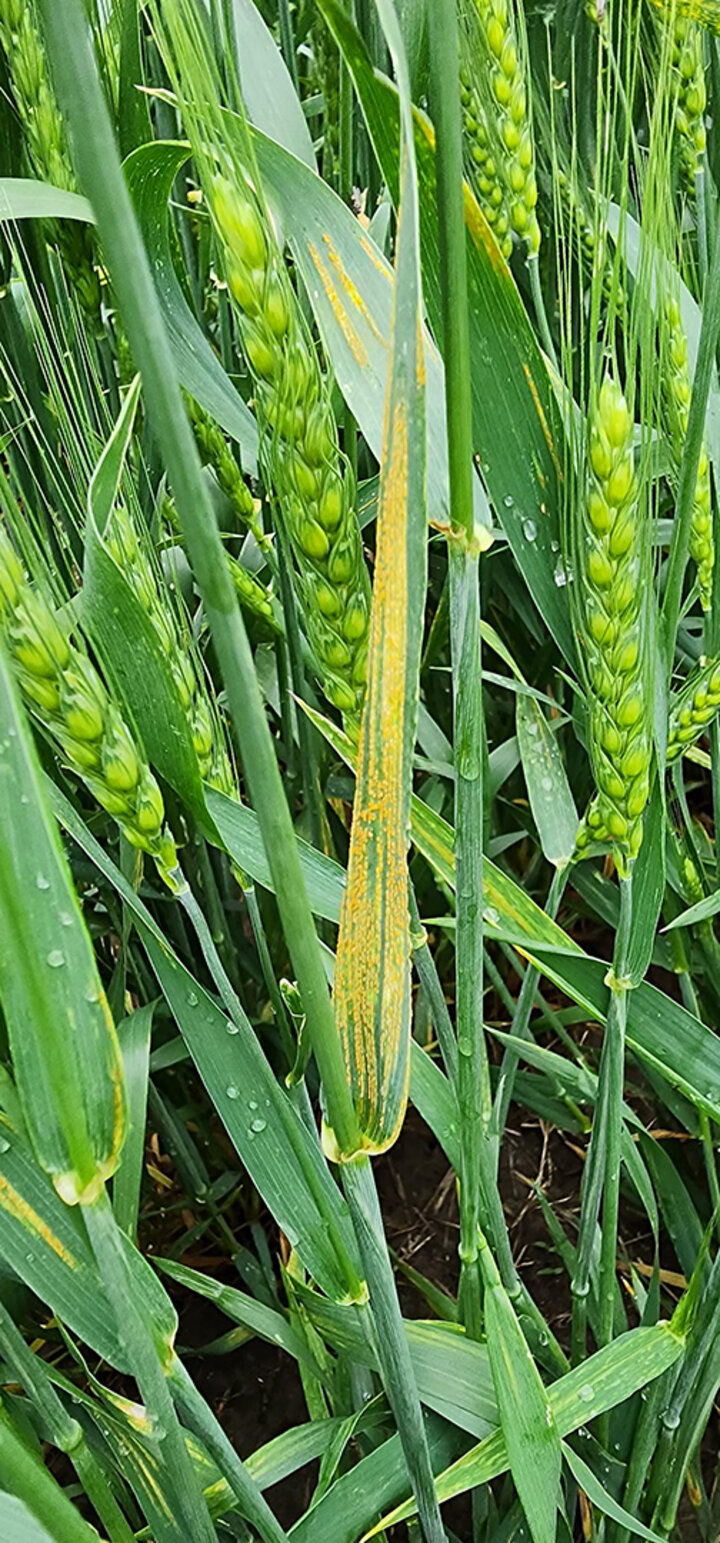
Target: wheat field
(359, 771)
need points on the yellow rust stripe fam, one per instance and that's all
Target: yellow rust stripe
(375, 258)
(481, 234)
(352, 291)
(355, 343)
(13, 1203)
(543, 420)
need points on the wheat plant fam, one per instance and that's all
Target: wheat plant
(359, 771)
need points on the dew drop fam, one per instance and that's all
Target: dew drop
(231, 1027)
(529, 529)
(464, 1045)
(547, 784)
(232, 1091)
(491, 916)
(586, 1392)
(258, 1126)
(253, 1103)
(42, 882)
(65, 919)
(508, 501)
(24, 798)
(192, 999)
(4, 1145)
(56, 959)
(563, 574)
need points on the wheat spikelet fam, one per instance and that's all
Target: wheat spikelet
(253, 595)
(503, 85)
(306, 470)
(482, 167)
(215, 452)
(612, 600)
(678, 392)
(128, 551)
(64, 692)
(693, 709)
(45, 138)
(688, 58)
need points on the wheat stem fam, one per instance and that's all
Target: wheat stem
(463, 557)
